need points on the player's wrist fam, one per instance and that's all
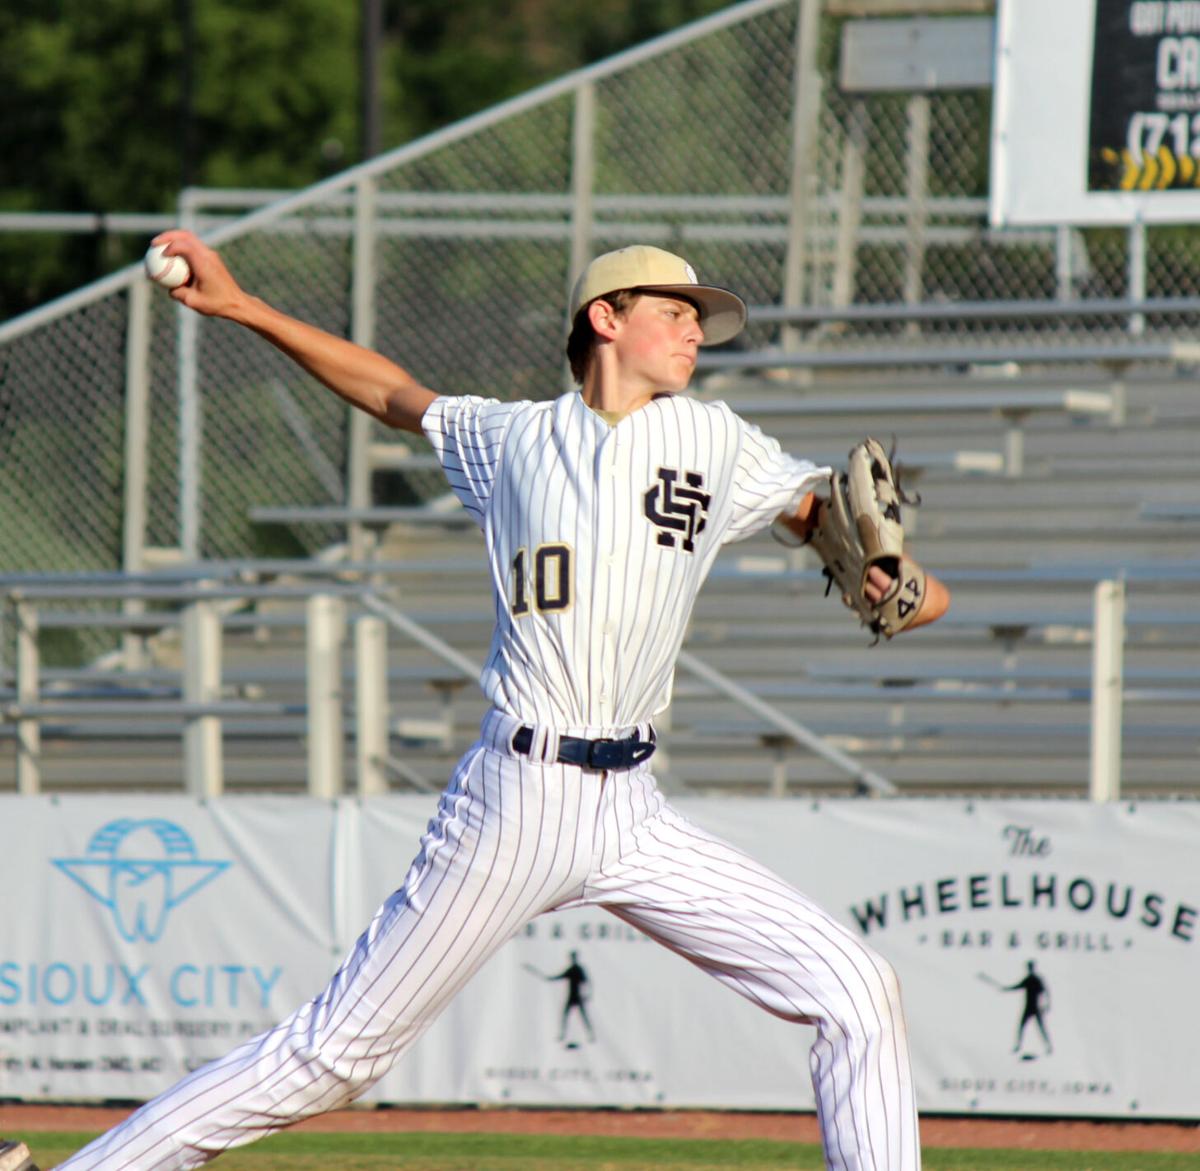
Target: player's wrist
(244, 308)
(795, 528)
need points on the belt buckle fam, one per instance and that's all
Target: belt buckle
(606, 754)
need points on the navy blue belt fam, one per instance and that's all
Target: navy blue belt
(597, 754)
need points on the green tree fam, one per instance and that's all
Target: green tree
(98, 115)
(446, 61)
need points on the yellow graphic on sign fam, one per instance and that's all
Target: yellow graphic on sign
(1153, 172)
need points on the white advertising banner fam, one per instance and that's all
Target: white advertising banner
(143, 936)
(1047, 951)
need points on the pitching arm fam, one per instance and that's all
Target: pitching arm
(363, 378)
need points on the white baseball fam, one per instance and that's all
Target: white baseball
(168, 271)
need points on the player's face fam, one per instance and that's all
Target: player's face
(657, 341)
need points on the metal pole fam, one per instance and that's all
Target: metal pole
(371, 706)
(189, 415)
(1108, 638)
(917, 191)
(362, 326)
(1063, 262)
(806, 113)
(583, 184)
(137, 394)
(1137, 273)
(29, 734)
(583, 178)
(204, 772)
(849, 216)
(326, 623)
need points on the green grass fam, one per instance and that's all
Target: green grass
(507, 1152)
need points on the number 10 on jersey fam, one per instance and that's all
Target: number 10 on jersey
(550, 580)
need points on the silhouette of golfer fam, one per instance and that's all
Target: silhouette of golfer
(577, 996)
(1037, 1004)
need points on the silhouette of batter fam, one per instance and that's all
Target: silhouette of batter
(1037, 1004)
(577, 997)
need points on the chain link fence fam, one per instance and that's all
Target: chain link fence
(454, 255)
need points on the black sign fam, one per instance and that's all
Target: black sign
(1145, 113)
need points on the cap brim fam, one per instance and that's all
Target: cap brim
(722, 313)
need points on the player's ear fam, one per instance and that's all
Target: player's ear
(603, 318)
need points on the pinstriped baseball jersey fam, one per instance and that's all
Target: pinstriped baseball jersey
(514, 837)
(599, 538)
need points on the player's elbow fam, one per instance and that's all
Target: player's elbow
(404, 404)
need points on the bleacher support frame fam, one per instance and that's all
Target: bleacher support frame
(200, 592)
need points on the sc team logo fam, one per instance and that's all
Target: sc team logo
(680, 512)
(141, 871)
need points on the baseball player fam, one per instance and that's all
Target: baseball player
(1035, 1007)
(602, 512)
(577, 997)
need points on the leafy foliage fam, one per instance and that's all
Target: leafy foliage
(113, 107)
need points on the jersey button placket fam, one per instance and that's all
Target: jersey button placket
(607, 500)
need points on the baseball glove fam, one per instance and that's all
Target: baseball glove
(860, 526)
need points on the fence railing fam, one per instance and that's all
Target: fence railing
(200, 600)
(456, 251)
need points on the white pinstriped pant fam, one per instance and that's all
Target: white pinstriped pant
(512, 838)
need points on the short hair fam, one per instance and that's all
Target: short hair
(582, 342)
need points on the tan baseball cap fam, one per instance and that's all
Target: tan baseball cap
(644, 267)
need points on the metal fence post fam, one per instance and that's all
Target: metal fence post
(806, 112)
(326, 625)
(850, 201)
(583, 185)
(137, 413)
(1064, 267)
(916, 190)
(1108, 638)
(29, 733)
(190, 425)
(1137, 273)
(362, 331)
(204, 771)
(371, 707)
(583, 177)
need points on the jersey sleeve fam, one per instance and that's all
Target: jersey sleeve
(767, 481)
(467, 433)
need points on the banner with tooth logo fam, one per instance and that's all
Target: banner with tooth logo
(1047, 951)
(144, 935)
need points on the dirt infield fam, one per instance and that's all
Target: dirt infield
(1028, 1134)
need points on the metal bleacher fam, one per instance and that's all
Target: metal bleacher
(1039, 386)
(996, 698)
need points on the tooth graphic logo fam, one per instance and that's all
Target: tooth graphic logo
(140, 870)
